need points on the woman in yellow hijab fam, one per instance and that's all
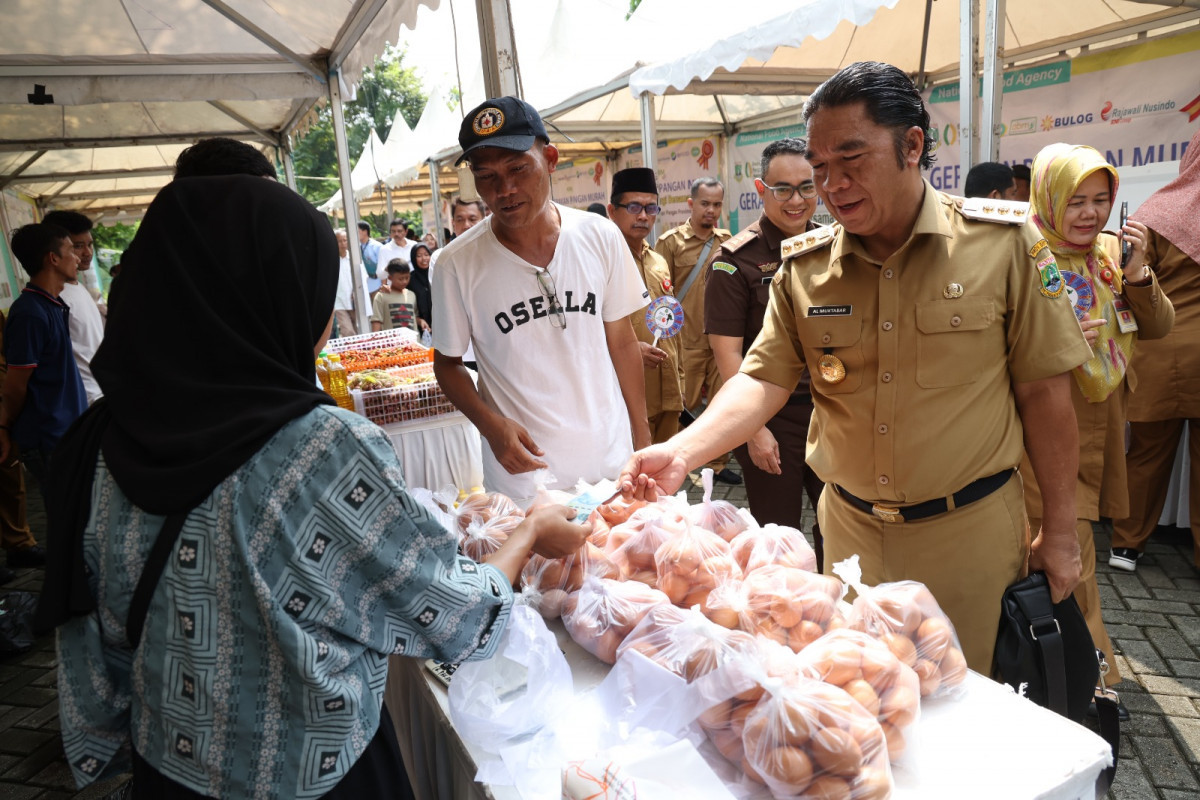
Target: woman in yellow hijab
(1073, 192)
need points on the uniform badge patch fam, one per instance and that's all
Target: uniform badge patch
(1051, 279)
(723, 266)
(488, 121)
(1080, 293)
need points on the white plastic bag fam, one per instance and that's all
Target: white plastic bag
(515, 692)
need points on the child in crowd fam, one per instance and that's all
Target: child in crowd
(397, 308)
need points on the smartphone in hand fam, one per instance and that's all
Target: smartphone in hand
(1125, 246)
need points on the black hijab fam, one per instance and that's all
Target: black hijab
(418, 281)
(208, 351)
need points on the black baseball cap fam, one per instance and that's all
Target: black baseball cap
(507, 122)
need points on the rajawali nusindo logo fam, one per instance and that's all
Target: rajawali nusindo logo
(1115, 115)
(488, 121)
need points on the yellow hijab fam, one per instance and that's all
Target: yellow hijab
(1093, 277)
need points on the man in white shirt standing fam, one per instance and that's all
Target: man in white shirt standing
(86, 325)
(397, 247)
(343, 302)
(544, 293)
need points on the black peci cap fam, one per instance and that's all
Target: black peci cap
(634, 179)
(506, 122)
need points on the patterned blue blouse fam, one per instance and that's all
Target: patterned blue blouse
(263, 660)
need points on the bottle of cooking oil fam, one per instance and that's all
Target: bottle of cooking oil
(323, 374)
(337, 382)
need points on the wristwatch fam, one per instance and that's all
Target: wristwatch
(1142, 279)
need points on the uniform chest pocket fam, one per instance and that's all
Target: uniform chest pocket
(836, 336)
(956, 340)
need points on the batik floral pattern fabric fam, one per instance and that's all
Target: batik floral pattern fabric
(264, 656)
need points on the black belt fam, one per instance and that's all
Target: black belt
(799, 400)
(976, 490)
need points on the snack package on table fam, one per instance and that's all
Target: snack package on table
(905, 616)
(719, 516)
(631, 544)
(603, 613)
(773, 544)
(868, 671)
(546, 582)
(789, 606)
(693, 563)
(809, 739)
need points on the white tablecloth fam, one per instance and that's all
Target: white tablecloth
(989, 744)
(444, 451)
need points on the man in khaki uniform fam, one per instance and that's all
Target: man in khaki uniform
(737, 286)
(935, 340)
(633, 208)
(687, 249)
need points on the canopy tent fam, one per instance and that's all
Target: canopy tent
(93, 115)
(365, 175)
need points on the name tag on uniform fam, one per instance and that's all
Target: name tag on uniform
(830, 311)
(1125, 321)
(766, 279)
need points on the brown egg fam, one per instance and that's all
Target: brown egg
(827, 787)
(674, 587)
(678, 555)
(703, 659)
(552, 603)
(933, 637)
(929, 675)
(551, 574)
(880, 668)
(751, 772)
(718, 716)
(835, 751)
(901, 646)
(569, 604)
(737, 717)
(794, 722)
(697, 596)
(751, 695)
(606, 646)
(898, 614)
(755, 738)
(816, 606)
(772, 630)
(865, 694)
(788, 765)
(725, 617)
(873, 784)
(836, 708)
(644, 645)
(895, 740)
(785, 612)
(845, 664)
(898, 705)
(648, 577)
(803, 635)
(727, 744)
(953, 667)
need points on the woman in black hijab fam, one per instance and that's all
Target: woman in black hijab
(232, 557)
(418, 281)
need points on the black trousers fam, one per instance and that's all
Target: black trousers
(774, 498)
(379, 772)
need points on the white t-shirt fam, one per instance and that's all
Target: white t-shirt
(87, 331)
(389, 251)
(560, 384)
(345, 288)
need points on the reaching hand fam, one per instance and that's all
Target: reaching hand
(515, 449)
(764, 452)
(656, 470)
(555, 535)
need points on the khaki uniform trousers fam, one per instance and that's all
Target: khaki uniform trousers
(700, 370)
(663, 426)
(966, 557)
(1087, 593)
(1148, 463)
(345, 321)
(14, 527)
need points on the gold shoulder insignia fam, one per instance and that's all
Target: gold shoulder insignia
(737, 241)
(808, 241)
(985, 209)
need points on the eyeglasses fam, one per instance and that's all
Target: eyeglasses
(546, 283)
(784, 191)
(637, 208)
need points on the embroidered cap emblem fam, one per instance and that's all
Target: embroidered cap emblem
(488, 121)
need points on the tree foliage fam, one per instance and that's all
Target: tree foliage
(113, 236)
(387, 89)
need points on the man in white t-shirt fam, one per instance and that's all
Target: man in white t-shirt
(86, 325)
(343, 301)
(396, 247)
(544, 293)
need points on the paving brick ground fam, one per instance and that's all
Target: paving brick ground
(1151, 615)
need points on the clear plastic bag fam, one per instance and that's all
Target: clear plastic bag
(692, 564)
(515, 692)
(603, 613)
(789, 606)
(868, 671)
(808, 739)
(906, 617)
(631, 544)
(773, 544)
(719, 516)
(546, 582)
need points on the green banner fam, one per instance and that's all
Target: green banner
(1014, 81)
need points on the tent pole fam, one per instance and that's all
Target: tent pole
(993, 80)
(649, 145)
(498, 48)
(348, 203)
(438, 222)
(387, 191)
(289, 166)
(969, 44)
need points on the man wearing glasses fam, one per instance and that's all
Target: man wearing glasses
(543, 292)
(634, 208)
(735, 300)
(937, 339)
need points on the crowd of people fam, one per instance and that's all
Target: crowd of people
(948, 383)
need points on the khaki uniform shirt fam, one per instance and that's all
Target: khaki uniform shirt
(1103, 485)
(1168, 369)
(664, 383)
(738, 286)
(681, 247)
(926, 406)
